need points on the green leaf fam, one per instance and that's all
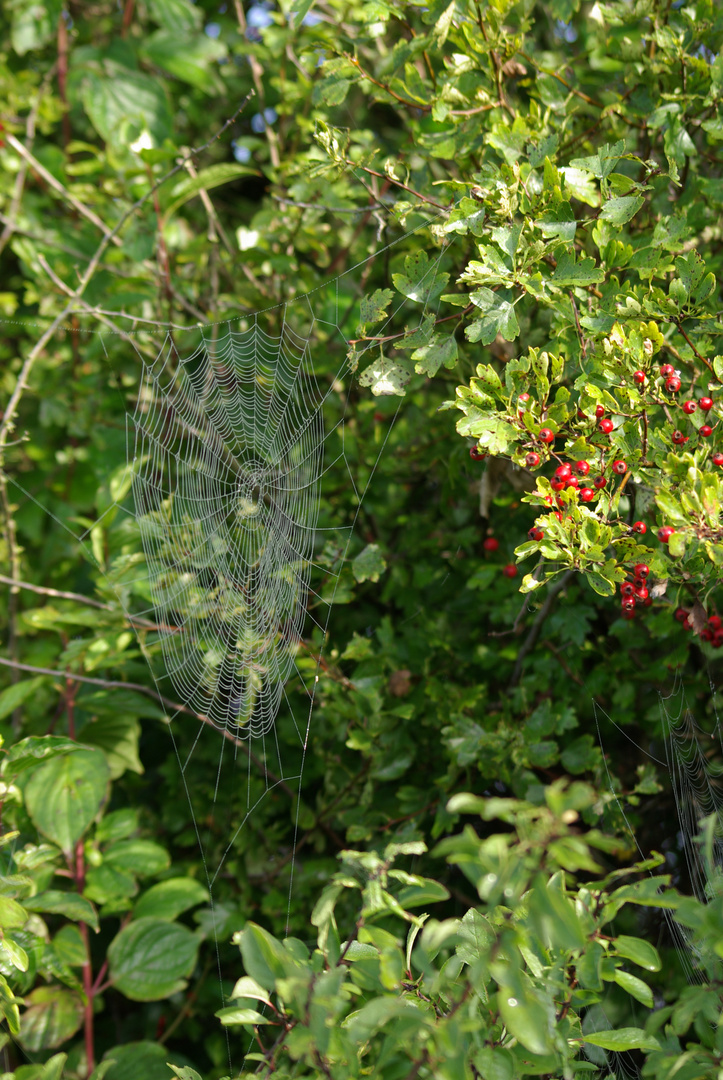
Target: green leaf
(151, 959)
(374, 308)
(12, 914)
(235, 1014)
(169, 899)
(385, 377)
(419, 280)
(29, 752)
(122, 103)
(603, 162)
(13, 696)
(635, 987)
(623, 1039)
(207, 179)
(300, 9)
(369, 564)
(143, 858)
(33, 24)
(64, 795)
(185, 1072)
(429, 358)
(13, 954)
(117, 736)
(190, 57)
(640, 952)
(9, 1006)
(430, 892)
(53, 1015)
(72, 905)
(498, 318)
(263, 956)
(247, 987)
(141, 1061)
(179, 16)
(618, 211)
(570, 272)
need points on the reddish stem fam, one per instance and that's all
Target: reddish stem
(63, 75)
(88, 987)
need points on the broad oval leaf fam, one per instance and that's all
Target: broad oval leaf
(169, 899)
(53, 1015)
(640, 952)
(151, 959)
(635, 987)
(64, 795)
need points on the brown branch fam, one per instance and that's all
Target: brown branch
(59, 593)
(393, 180)
(700, 357)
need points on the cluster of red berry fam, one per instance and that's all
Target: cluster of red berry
(712, 632)
(635, 593)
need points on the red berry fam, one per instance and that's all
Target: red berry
(572, 482)
(641, 570)
(546, 435)
(558, 484)
(563, 471)
(706, 403)
(641, 592)
(666, 370)
(706, 634)
(557, 514)
(628, 603)
(476, 454)
(620, 468)
(665, 534)
(535, 534)
(705, 430)
(599, 482)
(627, 588)
(718, 639)
(582, 468)
(672, 384)
(532, 460)
(717, 459)
(581, 415)
(679, 438)
(510, 570)
(587, 494)
(639, 377)
(599, 411)
(648, 601)
(524, 397)
(680, 614)
(689, 407)
(714, 622)
(640, 527)
(491, 544)
(606, 425)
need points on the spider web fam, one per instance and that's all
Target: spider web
(228, 455)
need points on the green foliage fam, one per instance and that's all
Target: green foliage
(549, 180)
(506, 990)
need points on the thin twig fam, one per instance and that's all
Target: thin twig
(534, 633)
(22, 173)
(55, 184)
(59, 593)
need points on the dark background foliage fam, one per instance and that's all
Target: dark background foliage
(438, 677)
